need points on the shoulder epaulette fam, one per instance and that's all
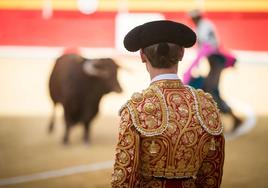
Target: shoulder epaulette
(148, 111)
(207, 112)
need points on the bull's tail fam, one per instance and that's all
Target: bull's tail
(52, 119)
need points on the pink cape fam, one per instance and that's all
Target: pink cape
(205, 51)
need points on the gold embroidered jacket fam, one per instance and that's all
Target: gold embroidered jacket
(170, 136)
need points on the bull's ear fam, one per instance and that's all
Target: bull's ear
(90, 68)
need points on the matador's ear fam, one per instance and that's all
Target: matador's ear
(143, 56)
(181, 53)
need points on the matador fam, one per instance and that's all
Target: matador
(170, 134)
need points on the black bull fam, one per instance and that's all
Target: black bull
(79, 84)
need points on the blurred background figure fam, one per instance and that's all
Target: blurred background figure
(210, 48)
(79, 84)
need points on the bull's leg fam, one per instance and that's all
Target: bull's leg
(52, 119)
(66, 133)
(86, 132)
(68, 123)
(89, 114)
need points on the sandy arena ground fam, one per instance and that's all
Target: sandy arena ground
(29, 154)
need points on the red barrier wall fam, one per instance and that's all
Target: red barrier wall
(237, 30)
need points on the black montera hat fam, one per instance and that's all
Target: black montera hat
(158, 32)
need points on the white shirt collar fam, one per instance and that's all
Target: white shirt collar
(165, 77)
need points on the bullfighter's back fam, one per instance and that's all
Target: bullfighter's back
(178, 133)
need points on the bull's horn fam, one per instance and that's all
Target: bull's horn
(90, 69)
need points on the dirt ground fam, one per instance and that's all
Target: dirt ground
(26, 148)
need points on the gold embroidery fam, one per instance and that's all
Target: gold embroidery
(173, 84)
(123, 158)
(119, 175)
(150, 122)
(173, 143)
(137, 97)
(212, 145)
(149, 108)
(172, 128)
(207, 112)
(176, 99)
(126, 154)
(148, 93)
(155, 123)
(182, 134)
(183, 110)
(154, 148)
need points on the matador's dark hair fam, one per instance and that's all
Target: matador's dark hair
(163, 55)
